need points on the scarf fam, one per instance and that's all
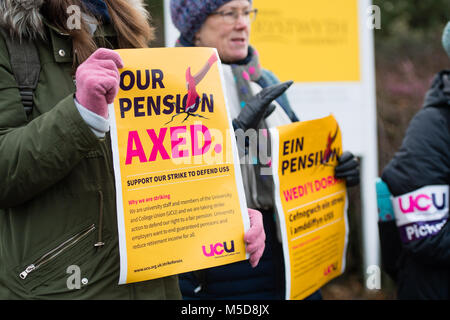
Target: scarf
(98, 8)
(244, 72)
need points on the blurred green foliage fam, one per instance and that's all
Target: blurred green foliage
(417, 19)
(156, 7)
(408, 53)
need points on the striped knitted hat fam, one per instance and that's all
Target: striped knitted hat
(446, 38)
(189, 15)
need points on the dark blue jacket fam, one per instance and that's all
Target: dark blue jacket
(423, 267)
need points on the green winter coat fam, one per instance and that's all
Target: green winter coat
(57, 192)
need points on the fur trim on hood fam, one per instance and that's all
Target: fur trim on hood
(23, 19)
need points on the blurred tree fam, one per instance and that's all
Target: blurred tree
(408, 53)
(417, 18)
(156, 7)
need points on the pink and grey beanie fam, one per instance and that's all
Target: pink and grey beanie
(189, 15)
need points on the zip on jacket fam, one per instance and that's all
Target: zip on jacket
(52, 254)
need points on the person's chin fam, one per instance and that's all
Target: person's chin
(239, 54)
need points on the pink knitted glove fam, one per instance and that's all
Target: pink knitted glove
(255, 237)
(98, 81)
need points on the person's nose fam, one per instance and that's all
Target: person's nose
(241, 22)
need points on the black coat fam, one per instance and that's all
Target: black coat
(423, 267)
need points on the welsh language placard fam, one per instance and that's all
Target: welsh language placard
(180, 199)
(311, 203)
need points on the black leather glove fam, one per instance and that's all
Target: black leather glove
(348, 169)
(259, 106)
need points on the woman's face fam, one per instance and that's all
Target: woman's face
(230, 39)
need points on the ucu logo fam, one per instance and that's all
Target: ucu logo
(330, 268)
(422, 202)
(218, 249)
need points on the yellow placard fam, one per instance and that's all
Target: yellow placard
(308, 41)
(180, 199)
(311, 203)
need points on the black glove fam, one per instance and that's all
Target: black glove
(348, 169)
(259, 106)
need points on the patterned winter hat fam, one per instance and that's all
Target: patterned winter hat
(446, 38)
(189, 15)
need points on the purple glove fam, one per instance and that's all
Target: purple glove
(255, 237)
(98, 81)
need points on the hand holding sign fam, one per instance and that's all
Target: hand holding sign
(255, 237)
(348, 169)
(259, 106)
(98, 81)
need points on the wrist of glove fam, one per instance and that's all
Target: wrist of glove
(255, 237)
(98, 124)
(348, 169)
(260, 106)
(97, 81)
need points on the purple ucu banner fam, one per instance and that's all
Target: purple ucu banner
(421, 213)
